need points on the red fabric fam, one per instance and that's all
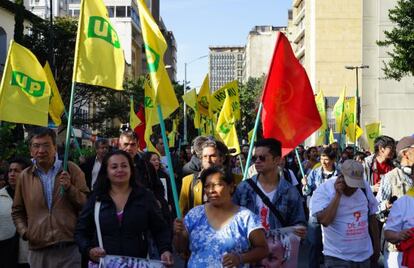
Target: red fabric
(289, 109)
(382, 168)
(140, 129)
(407, 247)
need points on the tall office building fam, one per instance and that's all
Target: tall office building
(329, 35)
(226, 63)
(259, 50)
(42, 8)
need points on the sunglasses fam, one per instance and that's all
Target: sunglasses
(258, 157)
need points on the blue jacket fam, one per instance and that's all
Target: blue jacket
(287, 201)
(315, 179)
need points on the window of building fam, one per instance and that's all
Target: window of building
(128, 11)
(121, 11)
(111, 11)
(76, 13)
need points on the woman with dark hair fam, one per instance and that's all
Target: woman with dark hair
(127, 213)
(13, 250)
(220, 233)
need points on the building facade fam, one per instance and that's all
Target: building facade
(328, 35)
(259, 50)
(42, 8)
(226, 63)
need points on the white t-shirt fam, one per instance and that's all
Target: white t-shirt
(263, 209)
(347, 237)
(401, 215)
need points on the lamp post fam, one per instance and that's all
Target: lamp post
(185, 91)
(357, 105)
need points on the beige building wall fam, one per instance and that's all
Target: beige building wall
(387, 101)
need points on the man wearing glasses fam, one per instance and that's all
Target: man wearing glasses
(346, 207)
(284, 195)
(47, 203)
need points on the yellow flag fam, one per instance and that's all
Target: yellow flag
(24, 89)
(173, 133)
(155, 47)
(190, 98)
(226, 127)
(351, 128)
(320, 104)
(331, 136)
(338, 112)
(373, 131)
(134, 121)
(197, 119)
(99, 58)
(217, 99)
(203, 97)
(56, 106)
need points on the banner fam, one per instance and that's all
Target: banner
(24, 89)
(56, 106)
(373, 131)
(320, 104)
(99, 58)
(338, 112)
(217, 99)
(203, 97)
(226, 127)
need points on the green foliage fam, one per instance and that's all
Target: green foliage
(9, 146)
(250, 94)
(401, 38)
(84, 152)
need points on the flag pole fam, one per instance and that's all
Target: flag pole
(241, 164)
(69, 127)
(74, 137)
(300, 163)
(170, 166)
(249, 155)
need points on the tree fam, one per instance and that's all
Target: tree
(401, 38)
(250, 94)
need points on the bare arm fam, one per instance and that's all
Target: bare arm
(180, 240)
(396, 237)
(258, 251)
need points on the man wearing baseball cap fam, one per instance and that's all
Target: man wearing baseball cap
(346, 207)
(394, 185)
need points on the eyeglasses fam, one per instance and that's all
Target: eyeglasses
(45, 146)
(215, 186)
(258, 157)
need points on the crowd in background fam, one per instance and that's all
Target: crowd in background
(340, 208)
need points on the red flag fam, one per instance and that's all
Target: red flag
(140, 129)
(289, 112)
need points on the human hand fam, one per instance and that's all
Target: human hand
(96, 253)
(304, 180)
(167, 259)
(340, 185)
(405, 234)
(300, 231)
(231, 260)
(388, 205)
(376, 187)
(64, 180)
(179, 227)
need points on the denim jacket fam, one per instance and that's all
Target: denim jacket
(286, 199)
(315, 178)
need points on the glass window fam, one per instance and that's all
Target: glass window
(120, 11)
(128, 11)
(76, 12)
(111, 11)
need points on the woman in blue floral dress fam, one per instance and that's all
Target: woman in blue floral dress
(220, 233)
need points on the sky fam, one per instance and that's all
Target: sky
(198, 24)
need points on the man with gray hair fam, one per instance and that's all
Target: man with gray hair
(394, 185)
(47, 203)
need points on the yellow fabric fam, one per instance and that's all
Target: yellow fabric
(331, 136)
(350, 125)
(250, 135)
(155, 47)
(99, 58)
(338, 112)
(134, 121)
(24, 89)
(373, 131)
(410, 192)
(151, 118)
(203, 98)
(226, 127)
(217, 99)
(320, 104)
(190, 98)
(56, 106)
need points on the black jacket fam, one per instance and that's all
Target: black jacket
(141, 214)
(193, 166)
(87, 168)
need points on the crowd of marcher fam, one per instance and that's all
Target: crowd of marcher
(340, 208)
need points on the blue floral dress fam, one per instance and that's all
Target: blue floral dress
(208, 245)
